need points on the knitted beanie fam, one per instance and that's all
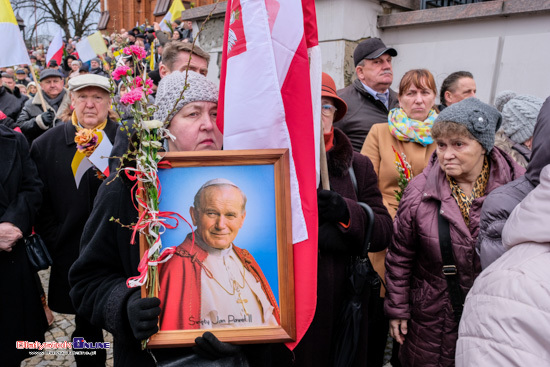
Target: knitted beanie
(519, 116)
(481, 120)
(198, 89)
(502, 98)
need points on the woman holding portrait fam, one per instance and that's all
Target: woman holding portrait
(450, 190)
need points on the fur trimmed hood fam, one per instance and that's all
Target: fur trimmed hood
(339, 158)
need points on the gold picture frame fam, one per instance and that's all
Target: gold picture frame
(265, 174)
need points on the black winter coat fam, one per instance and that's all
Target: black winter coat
(363, 112)
(317, 346)
(21, 314)
(98, 277)
(98, 280)
(10, 104)
(30, 119)
(66, 208)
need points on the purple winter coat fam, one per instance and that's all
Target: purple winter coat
(502, 201)
(417, 288)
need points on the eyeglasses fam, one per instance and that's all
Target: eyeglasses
(328, 109)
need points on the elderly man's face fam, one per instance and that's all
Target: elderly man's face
(20, 76)
(52, 86)
(194, 127)
(197, 64)
(377, 73)
(91, 106)
(94, 64)
(220, 216)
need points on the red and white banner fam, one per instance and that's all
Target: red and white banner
(55, 50)
(266, 102)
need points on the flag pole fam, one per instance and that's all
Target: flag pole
(325, 184)
(38, 89)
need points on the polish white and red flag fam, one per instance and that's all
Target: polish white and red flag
(270, 94)
(55, 50)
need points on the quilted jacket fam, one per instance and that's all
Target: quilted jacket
(502, 201)
(417, 288)
(507, 312)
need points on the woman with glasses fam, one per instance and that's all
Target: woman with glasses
(342, 227)
(408, 131)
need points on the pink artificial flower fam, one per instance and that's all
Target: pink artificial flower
(122, 70)
(132, 96)
(138, 51)
(138, 82)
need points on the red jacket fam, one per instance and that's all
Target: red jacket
(182, 276)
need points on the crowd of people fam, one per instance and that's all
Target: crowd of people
(441, 180)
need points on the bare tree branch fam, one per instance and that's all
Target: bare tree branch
(74, 16)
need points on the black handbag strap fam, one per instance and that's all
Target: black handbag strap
(449, 267)
(368, 211)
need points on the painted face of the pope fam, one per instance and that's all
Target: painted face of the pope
(218, 214)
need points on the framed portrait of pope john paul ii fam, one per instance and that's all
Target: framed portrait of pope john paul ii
(232, 269)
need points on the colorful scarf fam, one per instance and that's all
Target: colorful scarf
(464, 202)
(86, 141)
(406, 129)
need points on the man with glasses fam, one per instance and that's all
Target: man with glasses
(369, 98)
(72, 174)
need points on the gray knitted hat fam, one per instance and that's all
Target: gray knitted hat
(481, 120)
(198, 89)
(519, 114)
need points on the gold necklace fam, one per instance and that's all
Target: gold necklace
(236, 286)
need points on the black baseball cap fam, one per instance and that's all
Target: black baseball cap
(371, 48)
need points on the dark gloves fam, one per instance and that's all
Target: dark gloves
(210, 347)
(332, 240)
(332, 207)
(48, 117)
(143, 315)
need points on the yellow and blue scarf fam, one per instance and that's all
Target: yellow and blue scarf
(406, 129)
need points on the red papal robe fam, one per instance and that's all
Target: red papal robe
(180, 286)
